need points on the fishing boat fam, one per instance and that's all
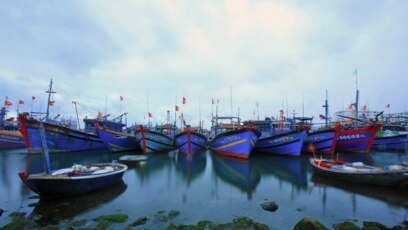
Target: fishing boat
(288, 143)
(117, 141)
(358, 172)
(153, 141)
(281, 140)
(232, 138)
(62, 137)
(71, 181)
(393, 134)
(357, 135)
(10, 136)
(190, 141)
(356, 139)
(397, 142)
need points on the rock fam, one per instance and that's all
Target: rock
(309, 223)
(173, 214)
(113, 218)
(269, 206)
(348, 225)
(140, 221)
(14, 214)
(373, 225)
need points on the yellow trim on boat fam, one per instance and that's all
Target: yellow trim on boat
(11, 133)
(231, 144)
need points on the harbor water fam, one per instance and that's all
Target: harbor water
(205, 187)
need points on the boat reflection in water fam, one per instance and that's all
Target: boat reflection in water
(396, 197)
(292, 170)
(240, 173)
(154, 164)
(53, 211)
(191, 166)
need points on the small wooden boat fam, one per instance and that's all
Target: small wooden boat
(71, 181)
(133, 158)
(75, 180)
(358, 172)
(190, 141)
(153, 141)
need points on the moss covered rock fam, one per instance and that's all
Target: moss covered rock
(113, 218)
(346, 226)
(139, 221)
(309, 223)
(372, 225)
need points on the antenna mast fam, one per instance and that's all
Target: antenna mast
(49, 98)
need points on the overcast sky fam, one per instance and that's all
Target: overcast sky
(283, 54)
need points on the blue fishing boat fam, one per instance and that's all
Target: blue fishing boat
(117, 141)
(190, 141)
(356, 139)
(233, 139)
(278, 137)
(397, 142)
(153, 141)
(71, 181)
(287, 143)
(10, 136)
(62, 137)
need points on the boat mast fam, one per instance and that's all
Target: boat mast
(49, 98)
(326, 110)
(76, 111)
(356, 104)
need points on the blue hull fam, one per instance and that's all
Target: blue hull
(289, 143)
(11, 139)
(395, 143)
(152, 141)
(116, 141)
(190, 142)
(236, 143)
(322, 141)
(59, 138)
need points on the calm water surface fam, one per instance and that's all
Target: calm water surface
(207, 187)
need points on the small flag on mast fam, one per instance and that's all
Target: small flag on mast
(20, 102)
(8, 103)
(177, 108)
(33, 98)
(121, 98)
(388, 106)
(184, 100)
(150, 114)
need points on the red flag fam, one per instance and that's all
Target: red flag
(150, 114)
(177, 108)
(33, 98)
(8, 103)
(51, 103)
(364, 107)
(121, 98)
(20, 102)
(100, 115)
(350, 106)
(212, 101)
(184, 100)
(388, 106)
